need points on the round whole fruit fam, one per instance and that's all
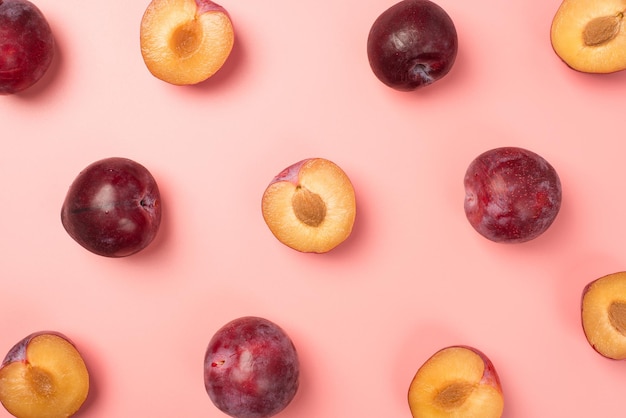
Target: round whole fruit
(251, 368)
(412, 44)
(26, 45)
(113, 208)
(511, 194)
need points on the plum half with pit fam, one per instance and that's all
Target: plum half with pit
(512, 195)
(26, 45)
(412, 44)
(113, 207)
(251, 368)
(456, 381)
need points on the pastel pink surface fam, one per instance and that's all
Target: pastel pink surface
(414, 276)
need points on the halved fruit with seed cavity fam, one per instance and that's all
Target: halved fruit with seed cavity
(310, 206)
(603, 313)
(590, 36)
(43, 376)
(457, 381)
(185, 41)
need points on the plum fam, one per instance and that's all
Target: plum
(251, 368)
(456, 381)
(310, 206)
(26, 45)
(589, 36)
(185, 42)
(412, 44)
(43, 375)
(511, 194)
(603, 315)
(113, 207)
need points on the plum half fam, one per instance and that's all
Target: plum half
(185, 41)
(603, 314)
(457, 381)
(310, 206)
(43, 376)
(412, 44)
(590, 36)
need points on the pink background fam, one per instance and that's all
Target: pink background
(414, 276)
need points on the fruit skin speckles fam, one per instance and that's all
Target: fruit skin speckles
(512, 195)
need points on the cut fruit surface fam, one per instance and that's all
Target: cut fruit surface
(603, 313)
(43, 376)
(310, 206)
(590, 35)
(185, 41)
(459, 382)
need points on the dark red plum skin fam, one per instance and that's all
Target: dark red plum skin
(27, 45)
(512, 195)
(113, 208)
(251, 368)
(412, 44)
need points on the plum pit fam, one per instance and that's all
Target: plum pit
(454, 395)
(602, 29)
(308, 207)
(617, 316)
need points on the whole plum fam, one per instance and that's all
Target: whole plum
(511, 194)
(113, 207)
(26, 45)
(251, 368)
(412, 44)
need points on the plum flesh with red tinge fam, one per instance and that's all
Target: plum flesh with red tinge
(511, 194)
(26, 45)
(113, 208)
(251, 368)
(412, 44)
